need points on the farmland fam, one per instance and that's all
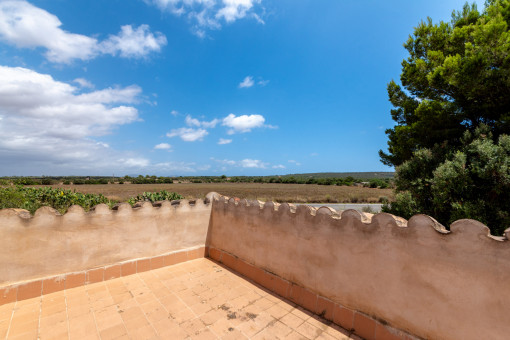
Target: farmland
(298, 193)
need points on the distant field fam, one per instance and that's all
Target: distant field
(298, 193)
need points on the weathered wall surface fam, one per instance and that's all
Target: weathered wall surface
(49, 244)
(415, 276)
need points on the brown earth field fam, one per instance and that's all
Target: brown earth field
(296, 193)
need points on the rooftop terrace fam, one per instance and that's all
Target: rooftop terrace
(198, 299)
(233, 268)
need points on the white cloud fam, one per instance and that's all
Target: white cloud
(247, 82)
(243, 123)
(279, 166)
(134, 43)
(84, 83)
(245, 163)
(163, 146)
(26, 26)
(224, 141)
(135, 162)
(174, 112)
(209, 14)
(178, 167)
(235, 9)
(252, 163)
(48, 125)
(188, 134)
(195, 122)
(294, 162)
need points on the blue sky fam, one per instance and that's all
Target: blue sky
(200, 87)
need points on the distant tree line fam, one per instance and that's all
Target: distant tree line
(152, 179)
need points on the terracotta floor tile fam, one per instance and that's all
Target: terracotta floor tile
(222, 327)
(31, 335)
(182, 316)
(193, 300)
(131, 313)
(113, 332)
(144, 333)
(212, 316)
(58, 331)
(175, 333)
(309, 330)
(277, 311)
(157, 314)
(292, 320)
(234, 334)
(108, 321)
(295, 336)
(22, 328)
(193, 327)
(201, 308)
(265, 334)
(205, 334)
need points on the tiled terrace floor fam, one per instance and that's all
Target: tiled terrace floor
(193, 300)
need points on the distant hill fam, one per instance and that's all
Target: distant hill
(360, 175)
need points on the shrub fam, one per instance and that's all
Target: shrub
(32, 199)
(473, 182)
(155, 196)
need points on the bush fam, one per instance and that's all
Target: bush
(155, 196)
(473, 182)
(32, 199)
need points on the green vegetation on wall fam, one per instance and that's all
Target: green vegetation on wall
(32, 199)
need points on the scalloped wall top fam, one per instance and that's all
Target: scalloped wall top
(103, 209)
(466, 227)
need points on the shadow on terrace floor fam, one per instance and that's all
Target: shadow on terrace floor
(199, 299)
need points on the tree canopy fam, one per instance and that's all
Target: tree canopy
(450, 144)
(457, 76)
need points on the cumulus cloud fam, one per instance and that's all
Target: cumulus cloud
(84, 83)
(27, 26)
(278, 166)
(247, 82)
(294, 162)
(252, 163)
(234, 9)
(163, 146)
(188, 134)
(209, 14)
(224, 141)
(49, 124)
(133, 43)
(245, 163)
(243, 123)
(190, 121)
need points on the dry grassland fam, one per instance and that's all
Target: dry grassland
(297, 193)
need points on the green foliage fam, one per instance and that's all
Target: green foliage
(472, 182)
(155, 196)
(452, 114)
(457, 76)
(32, 199)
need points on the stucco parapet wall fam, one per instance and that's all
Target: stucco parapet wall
(49, 243)
(420, 221)
(414, 275)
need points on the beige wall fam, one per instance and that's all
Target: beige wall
(49, 244)
(413, 275)
(416, 276)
